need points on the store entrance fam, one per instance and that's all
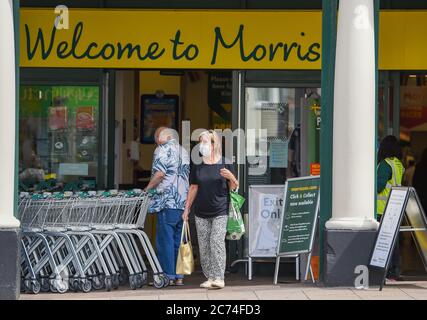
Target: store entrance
(412, 120)
(290, 116)
(146, 100)
(402, 101)
(185, 100)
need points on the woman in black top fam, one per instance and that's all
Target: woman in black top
(210, 183)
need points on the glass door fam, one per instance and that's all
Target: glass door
(282, 127)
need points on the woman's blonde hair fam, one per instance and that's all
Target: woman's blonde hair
(215, 139)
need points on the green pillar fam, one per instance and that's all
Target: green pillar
(329, 38)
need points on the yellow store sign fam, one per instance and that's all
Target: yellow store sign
(194, 39)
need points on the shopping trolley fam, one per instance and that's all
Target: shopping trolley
(84, 241)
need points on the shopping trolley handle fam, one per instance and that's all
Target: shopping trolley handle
(114, 192)
(58, 196)
(36, 196)
(83, 195)
(130, 193)
(106, 194)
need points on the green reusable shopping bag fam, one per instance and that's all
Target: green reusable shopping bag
(235, 224)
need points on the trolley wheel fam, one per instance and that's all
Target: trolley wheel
(58, 285)
(45, 286)
(101, 278)
(165, 279)
(97, 282)
(159, 282)
(52, 288)
(74, 284)
(108, 283)
(85, 285)
(139, 280)
(115, 280)
(133, 281)
(123, 276)
(35, 286)
(144, 278)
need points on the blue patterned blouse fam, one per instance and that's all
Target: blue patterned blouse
(173, 160)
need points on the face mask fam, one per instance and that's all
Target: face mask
(205, 149)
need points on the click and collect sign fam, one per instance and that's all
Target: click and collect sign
(299, 217)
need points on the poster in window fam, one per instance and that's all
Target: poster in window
(85, 119)
(86, 147)
(59, 144)
(58, 118)
(220, 85)
(157, 112)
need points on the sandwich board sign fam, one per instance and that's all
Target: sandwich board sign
(265, 209)
(402, 205)
(298, 220)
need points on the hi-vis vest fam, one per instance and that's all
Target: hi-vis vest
(395, 180)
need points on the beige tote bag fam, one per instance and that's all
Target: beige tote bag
(185, 262)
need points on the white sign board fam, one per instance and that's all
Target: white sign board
(389, 227)
(417, 220)
(73, 169)
(265, 208)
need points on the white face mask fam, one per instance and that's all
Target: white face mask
(205, 149)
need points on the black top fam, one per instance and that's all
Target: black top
(212, 197)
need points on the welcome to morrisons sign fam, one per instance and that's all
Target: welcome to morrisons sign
(195, 39)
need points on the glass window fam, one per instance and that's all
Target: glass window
(413, 117)
(270, 157)
(291, 118)
(58, 137)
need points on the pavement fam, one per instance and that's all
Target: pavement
(239, 288)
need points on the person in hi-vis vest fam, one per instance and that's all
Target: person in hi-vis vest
(390, 172)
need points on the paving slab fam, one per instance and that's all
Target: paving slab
(335, 297)
(383, 295)
(281, 294)
(136, 297)
(387, 298)
(250, 295)
(327, 292)
(184, 296)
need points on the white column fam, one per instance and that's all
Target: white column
(7, 116)
(353, 184)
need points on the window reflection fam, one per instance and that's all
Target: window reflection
(58, 137)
